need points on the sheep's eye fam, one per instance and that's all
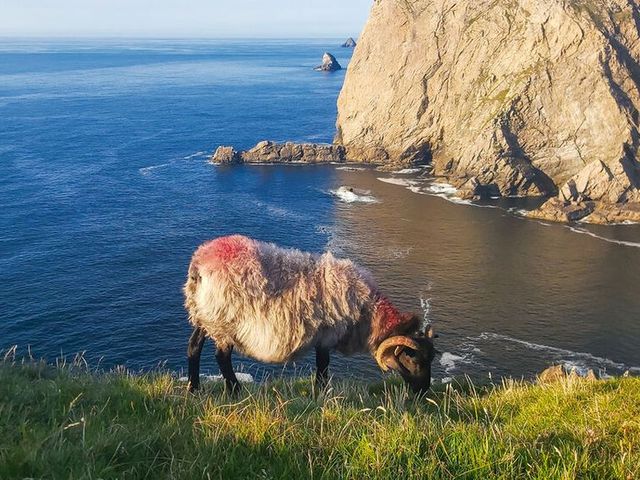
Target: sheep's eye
(411, 353)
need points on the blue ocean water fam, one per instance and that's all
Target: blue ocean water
(106, 191)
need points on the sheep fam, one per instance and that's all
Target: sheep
(274, 304)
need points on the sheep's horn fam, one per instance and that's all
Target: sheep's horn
(397, 341)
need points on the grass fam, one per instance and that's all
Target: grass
(66, 421)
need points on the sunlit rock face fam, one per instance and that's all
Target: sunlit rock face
(273, 152)
(518, 98)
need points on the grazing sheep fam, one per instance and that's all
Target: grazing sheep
(274, 304)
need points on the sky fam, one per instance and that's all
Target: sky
(186, 18)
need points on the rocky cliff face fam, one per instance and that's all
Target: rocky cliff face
(513, 97)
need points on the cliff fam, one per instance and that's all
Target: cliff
(514, 97)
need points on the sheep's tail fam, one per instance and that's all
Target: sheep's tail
(190, 290)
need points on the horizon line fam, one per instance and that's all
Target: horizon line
(169, 37)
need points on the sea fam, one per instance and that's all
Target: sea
(106, 190)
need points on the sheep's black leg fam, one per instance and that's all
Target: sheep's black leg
(193, 353)
(223, 356)
(322, 366)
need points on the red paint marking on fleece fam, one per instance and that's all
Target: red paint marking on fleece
(224, 250)
(389, 316)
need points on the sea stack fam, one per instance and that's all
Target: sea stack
(529, 98)
(350, 43)
(329, 63)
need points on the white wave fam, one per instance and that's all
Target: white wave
(325, 229)
(425, 304)
(442, 188)
(600, 237)
(612, 224)
(446, 380)
(196, 155)
(350, 195)
(396, 253)
(579, 369)
(351, 169)
(522, 214)
(149, 170)
(461, 201)
(518, 212)
(398, 181)
(276, 211)
(576, 359)
(448, 360)
(242, 378)
(407, 171)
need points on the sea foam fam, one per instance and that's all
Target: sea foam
(349, 195)
(242, 378)
(578, 360)
(600, 237)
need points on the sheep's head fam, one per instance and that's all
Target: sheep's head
(411, 357)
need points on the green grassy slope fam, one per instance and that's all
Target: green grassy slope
(66, 422)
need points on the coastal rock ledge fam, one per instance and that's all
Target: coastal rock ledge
(519, 98)
(272, 152)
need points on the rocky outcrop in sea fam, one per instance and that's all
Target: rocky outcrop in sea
(329, 63)
(272, 152)
(350, 43)
(527, 98)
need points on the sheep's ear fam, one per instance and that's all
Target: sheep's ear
(410, 324)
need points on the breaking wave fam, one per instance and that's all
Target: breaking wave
(351, 195)
(403, 182)
(351, 169)
(600, 237)
(437, 189)
(581, 361)
(146, 171)
(196, 155)
(149, 170)
(449, 361)
(276, 211)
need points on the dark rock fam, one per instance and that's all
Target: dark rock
(350, 43)
(289, 152)
(329, 63)
(557, 210)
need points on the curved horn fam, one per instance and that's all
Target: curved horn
(391, 342)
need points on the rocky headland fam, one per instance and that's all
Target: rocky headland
(527, 98)
(514, 98)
